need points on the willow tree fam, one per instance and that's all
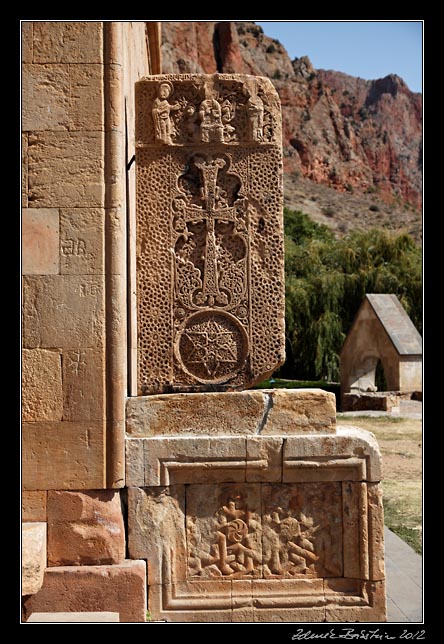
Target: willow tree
(326, 281)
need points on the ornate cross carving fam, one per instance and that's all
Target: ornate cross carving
(214, 208)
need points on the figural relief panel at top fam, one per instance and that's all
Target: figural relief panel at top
(210, 284)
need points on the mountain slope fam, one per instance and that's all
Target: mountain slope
(356, 136)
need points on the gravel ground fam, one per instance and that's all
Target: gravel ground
(406, 409)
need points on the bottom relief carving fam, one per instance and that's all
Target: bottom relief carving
(264, 530)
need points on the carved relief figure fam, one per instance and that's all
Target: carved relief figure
(255, 110)
(211, 126)
(163, 126)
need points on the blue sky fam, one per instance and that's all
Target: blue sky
(369, 49)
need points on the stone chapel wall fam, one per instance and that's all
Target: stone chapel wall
(77, 140)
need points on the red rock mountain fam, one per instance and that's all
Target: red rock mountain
(338, 130)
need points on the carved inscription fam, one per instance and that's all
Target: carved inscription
(264, 530)
(73, 247)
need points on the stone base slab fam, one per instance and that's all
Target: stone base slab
(118, 588)
(264, 412)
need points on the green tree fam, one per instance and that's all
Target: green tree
(326, 281)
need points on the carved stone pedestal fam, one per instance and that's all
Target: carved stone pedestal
(271, 513)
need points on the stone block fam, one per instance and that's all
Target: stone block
(266, 412)
(83, 384)
(68, 42)
(24, 169)
(73, 617)
(350, 454)
(82, 241)
(376, 532)
(27, 45)
(34, 506)
(195, 414)
(264, 458)
(40, 241)
(86, 111)
(210, 279)
(85, 528)
(156, 520)
(65, 169)
(33, 557)
(190, 460)
(296, 411)
(45, 97)
(63, 311)
(42, 397)
(119, 588)
(63, 455)
(134, 462)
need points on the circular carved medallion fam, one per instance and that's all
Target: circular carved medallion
(212, 346)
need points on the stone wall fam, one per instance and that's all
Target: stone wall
(77, 141)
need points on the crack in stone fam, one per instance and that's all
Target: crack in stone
(268, 407)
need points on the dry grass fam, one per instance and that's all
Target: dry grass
(400, 440)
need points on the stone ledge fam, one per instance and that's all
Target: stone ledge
(352, 454)
(33, 557)
(254, 412)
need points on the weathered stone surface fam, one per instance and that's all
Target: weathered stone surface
(83, 384)
(66, 169)
(85, 528)
(376, 532)
(27, 31)
(60, 456)
(34, 506)
(378, 401)
(24, 169)
(86, 97)
(42, 397)
(300, 411)
(264, 458)
(120, 588)
(210, 280)
(156, 520)
(60, 97)
(192, 460)
(68, 42)
(195, 413)
(74, 617)
(82, 241)
(339, 609)
(264, 412)
(63, 311)
(278, 544)
(40, 241)
(33, 557)
(350, 454)
(45, 97)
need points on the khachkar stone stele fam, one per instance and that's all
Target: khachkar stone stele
(210, 277)
(249, 505)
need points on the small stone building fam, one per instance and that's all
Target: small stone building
(381, 332)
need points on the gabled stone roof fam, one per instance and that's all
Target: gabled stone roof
(396, 323)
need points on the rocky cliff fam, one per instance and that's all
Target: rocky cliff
(348, 133)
